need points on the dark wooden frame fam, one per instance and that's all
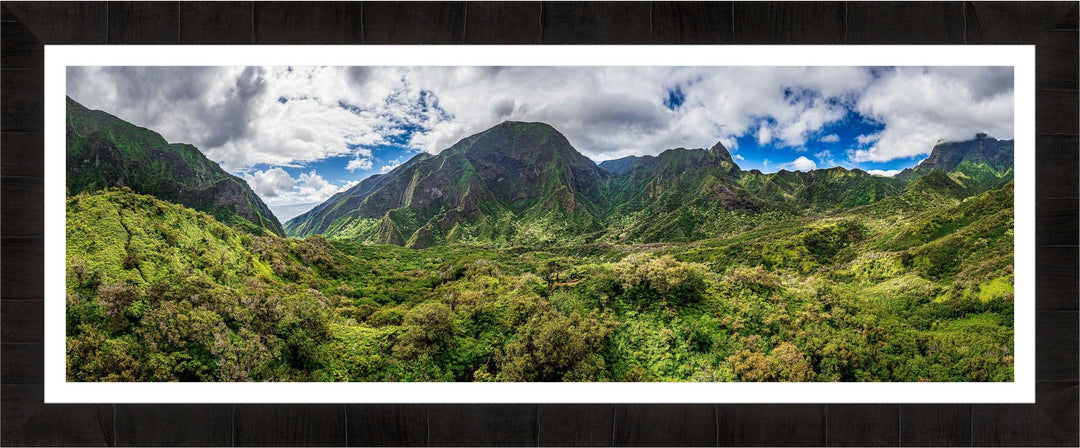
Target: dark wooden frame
(1051, 27)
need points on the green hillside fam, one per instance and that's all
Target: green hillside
(104, 151)
(512, 257)
(164, 293)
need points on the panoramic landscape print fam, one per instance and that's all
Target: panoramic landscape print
(539, 224)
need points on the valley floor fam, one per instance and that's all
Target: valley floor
(901, 290)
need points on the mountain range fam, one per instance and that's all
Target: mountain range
(831, 275)
(521, 183)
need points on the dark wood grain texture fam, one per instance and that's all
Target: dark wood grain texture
(149, 23)
(576, 424)
(1057, 60)
(387, 424)
(22, 154)
(29, 422)
(1056, 284)
(1051, 421)
(174, 425)
(1011, 22)
(22, 363)
(414, 23)
(584, 23)
(692, 23)
(1057, 345)
(771, 425)
(665, 424)
(482, 425)
(217, 22)
(1057, 160)
(23, 213)
(789, 22)
(22, 272)
(22, 91)
(1070, 21)
(862, 425)
(502, 23)
(22, 321)
(63, 22)
(1056, 223)
(289, 425)
(308, 23)
(935, 425)
(1057, 112)
(905, 23)
(19, 48)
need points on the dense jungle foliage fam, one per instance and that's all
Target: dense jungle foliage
(510, 256)
(914, 287)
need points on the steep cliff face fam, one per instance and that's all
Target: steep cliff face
(976, 165)
(104, 151)
(618, 166)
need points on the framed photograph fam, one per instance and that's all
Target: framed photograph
(414, 231)
(673, 223)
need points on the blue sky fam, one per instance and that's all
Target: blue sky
(300, 134)
(334, 169)
(827, 149)
(750, 154)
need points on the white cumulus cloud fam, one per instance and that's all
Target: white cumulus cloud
(764, 135)
(290, 116)
(886, 173)
(358, 164)
(276, 187)
(920, 106)
(270, 183)
(799, 164)
(865, 139)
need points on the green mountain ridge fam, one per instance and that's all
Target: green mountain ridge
(618, 166)
(104, 151)
(524, 184)
(497, 185)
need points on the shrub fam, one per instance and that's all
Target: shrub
(114, 297)
(555, 347)
(673, 280)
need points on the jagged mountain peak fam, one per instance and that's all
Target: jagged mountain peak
(948, 155)
(720, 151)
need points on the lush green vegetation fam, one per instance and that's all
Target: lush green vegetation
(914, 287)
(525, 261)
